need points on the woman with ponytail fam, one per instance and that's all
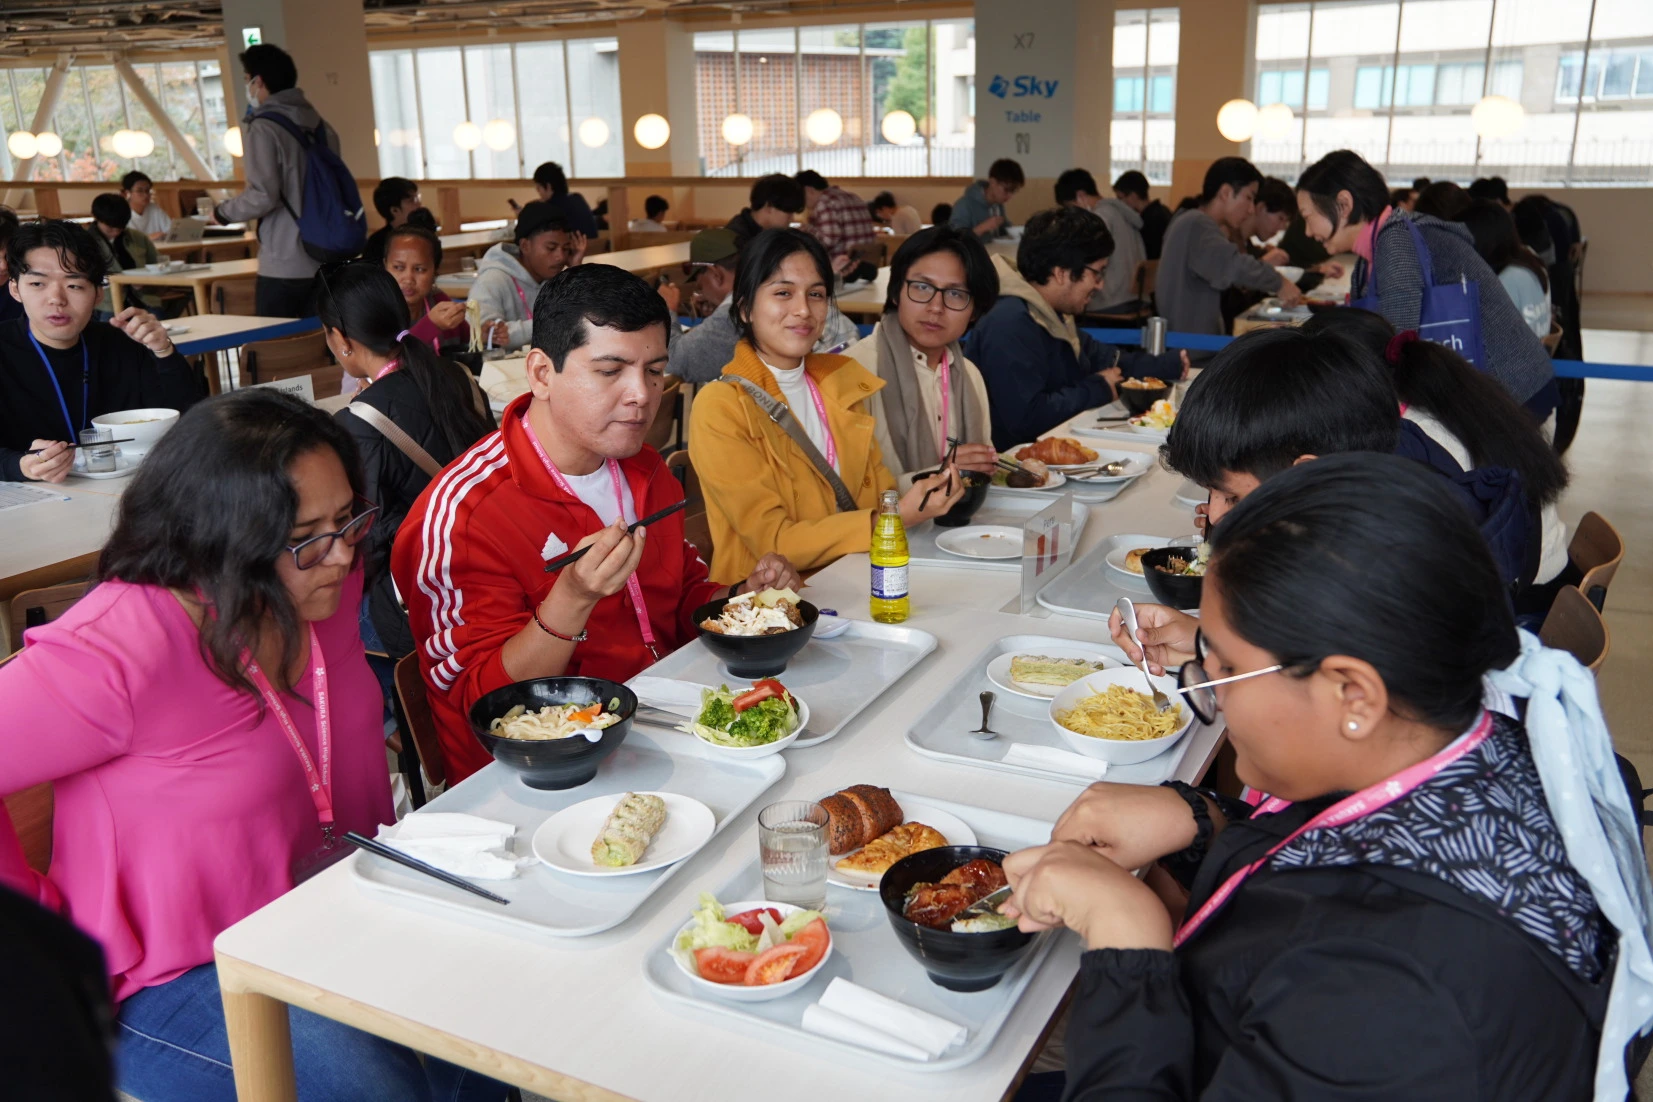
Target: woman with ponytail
(1467, 413)
(415, 414)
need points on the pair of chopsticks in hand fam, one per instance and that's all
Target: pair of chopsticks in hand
(652, 518)
(946, 465)
(94, 444)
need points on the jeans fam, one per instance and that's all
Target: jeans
(173, 1047)
(383, 668)
(284, 298)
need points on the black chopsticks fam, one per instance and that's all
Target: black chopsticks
(390, 853)
(94, 444)
(572, 556)
(952, 447)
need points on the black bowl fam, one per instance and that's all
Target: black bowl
(1177, 590)
(958, 962)
(755, 656)
(975, 496)
(1140, 399)
(553, 763)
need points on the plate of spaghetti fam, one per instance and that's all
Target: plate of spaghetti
(1107, 715)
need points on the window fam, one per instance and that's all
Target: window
(853, 99)
(556, 100)
(95, 102)
(1402, 76)
(1146, 43)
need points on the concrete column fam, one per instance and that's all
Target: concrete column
(657, 77)
(1215, 56)
(43, 114)
(1093, 88)
(328, 42)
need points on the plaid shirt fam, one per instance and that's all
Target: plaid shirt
(841, 221)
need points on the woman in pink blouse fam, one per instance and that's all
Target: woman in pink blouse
(211, 730)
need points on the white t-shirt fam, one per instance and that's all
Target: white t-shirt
(153, 220)
(796, 392)
(597, 490)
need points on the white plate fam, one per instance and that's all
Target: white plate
(1137, 464)
(998, 670)
(1116, 558)
(982, 541)
(1146, 433)
(564, 840)
(1011, 452)
(829, 626)
(124, 465)
(1054, 480)
(951, 827)
(1190, 493)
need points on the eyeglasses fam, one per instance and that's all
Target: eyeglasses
(1197, 687)
(954, 298)
(311, 552)
(1098, 273)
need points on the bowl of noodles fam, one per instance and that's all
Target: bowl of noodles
(1110, 715)
(535, 728)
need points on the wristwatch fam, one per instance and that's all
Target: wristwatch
(555, 634)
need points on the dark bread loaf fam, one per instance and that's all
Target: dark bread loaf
(857, 815)
(883, 812)
(843, 824)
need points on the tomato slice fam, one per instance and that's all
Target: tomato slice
(760, 692)
(814, 938)
(751, 923)
(722, 965)
(773, 965)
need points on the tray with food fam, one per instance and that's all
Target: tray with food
(585, 858)
(907, 978)
(992, 539)
(835, 677)
(1110, 570)
(1076, 735)
(869, 829)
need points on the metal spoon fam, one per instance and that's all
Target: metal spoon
(1107, 470)
(984, 732)
(1127, 613)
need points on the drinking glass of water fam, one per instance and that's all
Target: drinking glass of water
(792, 843)
(98, 450)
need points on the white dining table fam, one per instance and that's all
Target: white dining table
(53, 541)
(572, 1018)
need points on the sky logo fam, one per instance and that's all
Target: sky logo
(1021, 87)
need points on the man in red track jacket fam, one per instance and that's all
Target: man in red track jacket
(568, 468)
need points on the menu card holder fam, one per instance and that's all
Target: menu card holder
(1047, 549)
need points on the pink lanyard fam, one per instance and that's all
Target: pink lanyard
(826, 426)
(527, 309)
(320, 782)
(387, 369)
(1346, 810)
(945, 371)
(633, 586)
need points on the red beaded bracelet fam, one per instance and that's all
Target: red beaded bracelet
(580, 638)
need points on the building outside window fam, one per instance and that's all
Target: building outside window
(1144, 130)
(857, 99)
(1396, 81)
(497, 111)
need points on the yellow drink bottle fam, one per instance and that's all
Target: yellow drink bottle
(889, 562)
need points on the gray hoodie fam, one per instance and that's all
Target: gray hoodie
(1197, 265)
(1118, 284)
(504, 289)
(274, 167)
(973, 208)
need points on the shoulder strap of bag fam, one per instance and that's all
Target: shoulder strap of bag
(393, 432)
(1425, 262)
(782, 416)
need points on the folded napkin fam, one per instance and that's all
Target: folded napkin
(1054, 760)
(464, 845)
(668, 694)
(858, 1016)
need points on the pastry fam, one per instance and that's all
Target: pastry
(857, 815)
(1133, 559)
(1036, 669)
(1059, 451)
(888, 848)
(628, 830)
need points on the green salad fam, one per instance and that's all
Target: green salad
(763, 714)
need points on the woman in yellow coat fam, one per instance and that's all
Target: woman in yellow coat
(764, 490)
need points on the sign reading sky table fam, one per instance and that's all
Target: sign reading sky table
(1025, 85)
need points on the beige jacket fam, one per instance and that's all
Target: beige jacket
(865, 352)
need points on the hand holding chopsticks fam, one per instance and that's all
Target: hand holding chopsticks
(574, 556)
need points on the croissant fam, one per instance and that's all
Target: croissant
(1060, 451)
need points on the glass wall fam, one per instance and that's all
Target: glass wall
(1146, 42)
(1396, 80)
(95, 102)
(854, 99)
(497, 111)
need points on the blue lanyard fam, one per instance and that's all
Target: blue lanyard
(85, 385)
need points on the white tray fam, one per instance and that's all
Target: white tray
(1085, 493)
(1089, 588)
(547, 902)
(865, 949)
(942, 732)
(997, 509)
(1114, 430)
(837, 677)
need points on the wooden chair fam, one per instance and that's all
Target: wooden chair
(233, 296)
(663, 435)
(413, 716)
(1553, 340)
(1596, 551)
(31, 817)
(34, 607)
(695, 528)
(1574, 625)
(288, 357)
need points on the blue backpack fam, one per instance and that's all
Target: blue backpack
(334, 223)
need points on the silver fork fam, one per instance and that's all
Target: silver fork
(1127, 613)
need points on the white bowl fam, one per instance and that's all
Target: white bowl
(1116, 751)
(740, 993)
(142, 426)
(748, 752)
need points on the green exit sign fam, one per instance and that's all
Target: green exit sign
(251, 36)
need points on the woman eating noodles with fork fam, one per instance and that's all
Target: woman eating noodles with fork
(1437, 901)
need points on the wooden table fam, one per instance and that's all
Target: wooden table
(473, 241)
(216, 332)
(456, 285)
(572, 1018)
(57, 541)
(650, 258)
(866, 303)
(196, 277)
(183, 248)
